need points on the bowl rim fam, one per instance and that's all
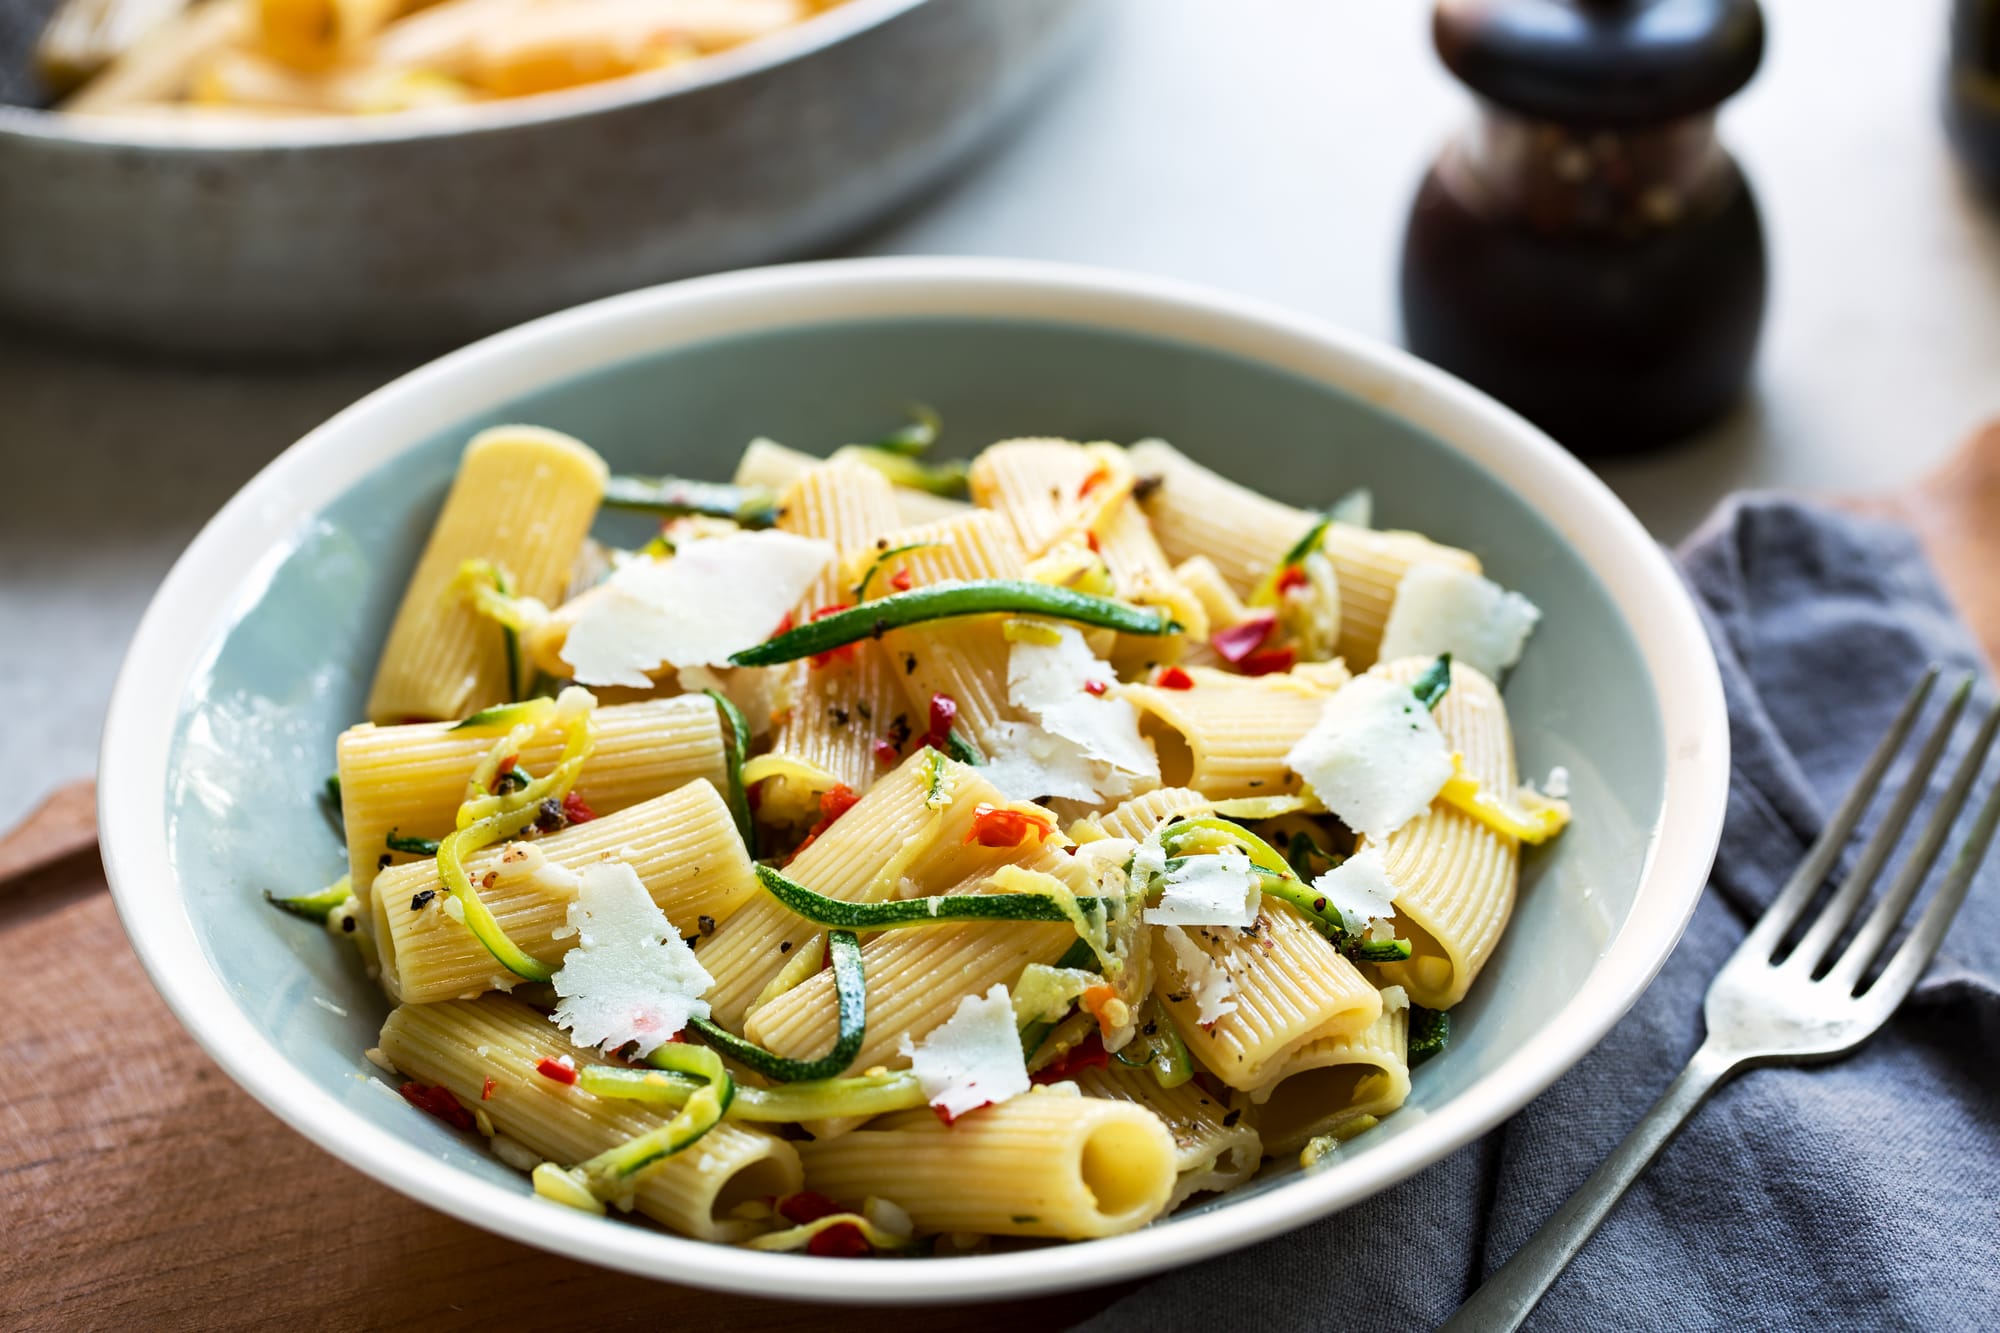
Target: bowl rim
(238, 548)
(304, 133)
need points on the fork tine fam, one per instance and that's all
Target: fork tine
(1840, 908)
(1812, 872)
(1915, 954)
(1881, 922)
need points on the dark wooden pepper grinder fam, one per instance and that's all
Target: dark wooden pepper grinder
(1587, 251)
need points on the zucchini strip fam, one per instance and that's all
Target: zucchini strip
(396, 842)
(822, 1099)
(1266, 591)
(735, 756)
(609, 1174)
(850, 989)
(942, 601)
(888, 915)
(315, 906)
(1430, 687)
(1430, 1033)
(912, 439)
(678, 497)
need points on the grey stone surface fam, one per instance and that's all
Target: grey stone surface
(1269, 147)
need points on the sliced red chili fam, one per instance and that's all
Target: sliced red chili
(833, 803)
(1096, 687)
(997, 826)
(433, 1100)
(843, 653)
(944, 712)
(1293, 577)
(900, 580)
(486, 1090)
(1240, 640)
(1098, 476)
(842, 1240)
(786, 626)
(1091, 538)
(1268, 660)
(886, 753)
(575, 811)
(1174, 678)
(502, 773)
(555, 1069)
(806, 1207)
(1086, 1054)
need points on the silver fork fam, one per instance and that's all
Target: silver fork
(1803, 1006)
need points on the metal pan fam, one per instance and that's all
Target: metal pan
(308, 237)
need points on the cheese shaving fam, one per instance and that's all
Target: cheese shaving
(1216, 890)
(1208, 981)
(1360, 888)
(631, 977)
(1079, 746)
(713, 598)
(1444, 609)
(973, 1058)
(1375, 758)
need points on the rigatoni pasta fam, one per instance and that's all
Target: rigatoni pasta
(986, 876)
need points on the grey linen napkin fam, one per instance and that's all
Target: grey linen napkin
(1859, 1195)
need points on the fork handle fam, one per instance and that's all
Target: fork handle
(1506, 1298)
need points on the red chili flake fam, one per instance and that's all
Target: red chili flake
(786, 626)
(996, 826)
(1086, 1054)
(1293, 577)
(944, 712)
(900, 580)
(486, 1091)
(948, 1118)
(1091, 538)
(1240, 640)
(438, 1102)
(846, 650)
(1268, 660)
(1096, 687)
(575, 811)
(832, 805)
(555, 1069)
(1098, 476)
(1173, 678)
(886, 753)
(842, 1240)
(806, 1207)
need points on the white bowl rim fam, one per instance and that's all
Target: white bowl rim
(204, 587)
(291, 134)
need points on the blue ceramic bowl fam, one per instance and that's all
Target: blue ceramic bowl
(259, 647)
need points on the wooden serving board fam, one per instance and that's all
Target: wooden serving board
(139, 1187)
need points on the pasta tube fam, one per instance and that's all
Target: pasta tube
(1043, 1164)
(410, 779)
(1332, 1080)
(1228, 735)
(1215, 1148)
(460, 1045)
(523, 499)
(684, 846)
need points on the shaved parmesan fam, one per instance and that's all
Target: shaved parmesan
(630, 978)
(1394, 998)
(1082, 746)
(1375, 758)
(1217, 890)
(1360, 888)
(713, 598)
(973, 1059)
(1557, 786)
(1208, 981)
(1444, 609)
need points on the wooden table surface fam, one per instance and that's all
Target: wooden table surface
(140, 1188)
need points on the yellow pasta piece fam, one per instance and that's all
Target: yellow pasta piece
(965, 658)
(523, 499)
(1455, 876)
(896, 834)
(840, 707)
(1371, 566)
(771, 465)
(459, 1045)
(1138, 817)
(1043, 1164)
(1289, 984)
(411, 779)
(1214, 1149)
(313, 34)
(684, 846)
(1228, 735)
(1333, 1080)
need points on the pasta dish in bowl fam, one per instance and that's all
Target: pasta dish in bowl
(912, 848)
